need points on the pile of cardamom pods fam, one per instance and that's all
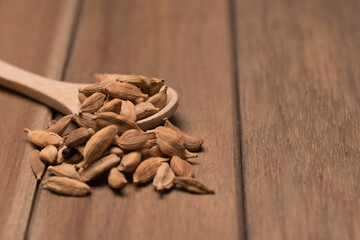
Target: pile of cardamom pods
(107, 140)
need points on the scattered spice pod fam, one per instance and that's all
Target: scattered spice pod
(108, 141)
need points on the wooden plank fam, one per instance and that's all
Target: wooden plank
(189, 46)
(299, 87)
(34, 35)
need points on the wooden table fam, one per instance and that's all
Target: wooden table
(272, 86)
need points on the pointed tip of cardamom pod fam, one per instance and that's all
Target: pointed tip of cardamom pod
(121, 167)
(27, 130)
(190, 154)
(136, 181)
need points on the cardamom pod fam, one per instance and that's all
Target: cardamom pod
(191, 143)
(92, 103)
(99, 167)
(170, 142)
(37, 166)
(145, 109)
(81, 97)
(193, 185)
(159, 99)
(128, 110)
(181, 167)
(67, 186)
(78, 137)
(60, 159)
(90, 90)
(124, 91)
(116, 150)
(164, 177)
(49, 154)
(147, 169)
(43, 138)
(154, 85)
(136, 80)
(154, 151)
(86, 120)
(61, 125)
(111, 106)
(131, 139)
(64, 170)
(116, 179)
(130, 161)
(110, 118)
(98, 144)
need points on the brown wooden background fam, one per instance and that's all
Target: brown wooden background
(272, 86)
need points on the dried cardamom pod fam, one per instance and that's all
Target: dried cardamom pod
(98, 144)
(170, 142)
(164, 177)
(110, 118)
(159, 99)
(192, 185)
(136, 80)
(116, 179)
(36, 164)
(64, 170)
(181, 167)
(130, 161)
(60, 159)
(86, 120)
(123, 90)
(49, 154)
(43, 138)
(92, 103)
(60, 126)
(78, 137)
(81, 97)
(147, 169)
(128, 110)
(99, 167)
(111, 106)
(191, 143)
(154, 85)
(154, 151)
(131, 139)
(117, 151)
(144, 110)
(66, 186)
(90, 90)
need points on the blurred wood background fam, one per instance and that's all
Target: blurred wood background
(272, 86)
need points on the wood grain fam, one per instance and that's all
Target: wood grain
(40, 46)
(189, 46)
(298, 64)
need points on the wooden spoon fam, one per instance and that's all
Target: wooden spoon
(63, 96)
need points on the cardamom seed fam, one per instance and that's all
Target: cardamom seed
(98, 144)
(193, 185)
(191, 143)
(164, 177)
(131, 139)
(128, 110)
(145, 109)
(99, 167)
(110, 118)
(66, 186)
(125, 91)
(130, 161)
(60, 126)
(49, 154)
(64, 170)
(92, 103)
(116, 179)
(43, 138)
(147, 169)
(181, 167)
(159, 99)
(37, 166)
(78, 137)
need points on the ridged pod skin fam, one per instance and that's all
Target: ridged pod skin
(147, 169)
(125, 91)
(86, 120)
(123, 124)
(99, 143)
(154, 85)
(113, 105)
(88, 91)
(49, 154)
(61, 125)
(128, 110)
(144, 110)
(164, 177)
(181, 167)
(92, 103)
(170, 142)
(37, 166)
(64, 170)
(159, 99)
(191, 143)
(78, 137)
(99, 167)
(130, 161)
(66, 186)
(193, 185)
(42, 138)
(131, 139)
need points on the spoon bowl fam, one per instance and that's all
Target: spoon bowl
(63, 96)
